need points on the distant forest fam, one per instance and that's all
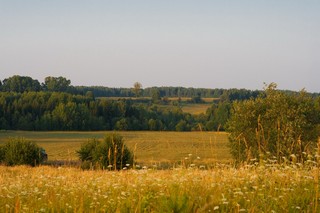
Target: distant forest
(27, 104)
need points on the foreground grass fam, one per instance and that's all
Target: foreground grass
(222, 189)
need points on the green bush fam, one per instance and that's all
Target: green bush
(110, 153)
(275, 124)
(18, 151)
(2, 153)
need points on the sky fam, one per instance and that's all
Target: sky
(189, 43)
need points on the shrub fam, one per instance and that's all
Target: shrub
(2, 153)
(109, 153)
(18, 151)
(275, 124)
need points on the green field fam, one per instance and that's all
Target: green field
(156, 148)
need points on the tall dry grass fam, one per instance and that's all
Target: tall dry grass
(221, 189)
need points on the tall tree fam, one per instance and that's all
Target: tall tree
(20, 84)
(56, 84)
(137, 89)
(155, 96)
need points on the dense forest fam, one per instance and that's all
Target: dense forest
(21, 84)
(27, 104)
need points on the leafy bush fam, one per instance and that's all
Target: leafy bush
(2, 153)
(275, 124)
(110, 153)
(18, 151)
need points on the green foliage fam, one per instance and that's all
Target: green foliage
(155, 96)
(56, 84)
(275, 124)
(137, 89)
(89, 94)
(2, 154)
(122, 125)
(182, 126)
(20, 84)
(217, 116)
(18, 151)
(196, 99)
(111, 153)
(25, 105)
(155, 125)
(64, 111)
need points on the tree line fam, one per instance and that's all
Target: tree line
(21, 84)
(27, 104)
(65, 111)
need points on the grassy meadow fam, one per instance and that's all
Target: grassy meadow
(220, 189)
(195, 109)
(161, 149)
(199, 178)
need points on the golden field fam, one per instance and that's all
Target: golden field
(177, 172)
(149, 147)
(220, 189)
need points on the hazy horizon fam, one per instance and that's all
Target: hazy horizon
(203, 44)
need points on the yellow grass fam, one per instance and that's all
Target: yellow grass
(149, 147)
(186, 187)
(222, 189)
(195, 109)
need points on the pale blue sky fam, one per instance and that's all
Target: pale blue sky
(191, 43)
